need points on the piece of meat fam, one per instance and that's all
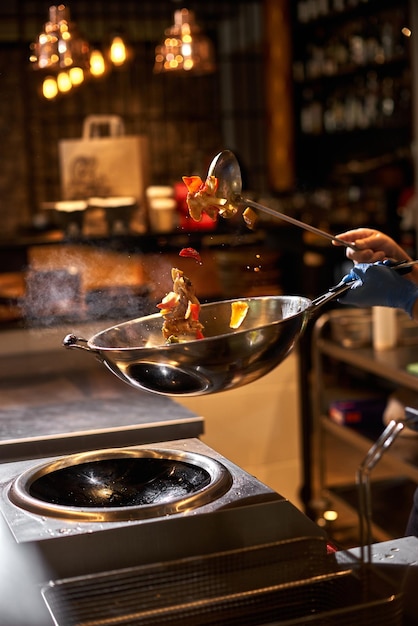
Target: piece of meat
(180, 309)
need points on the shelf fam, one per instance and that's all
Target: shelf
(14, 250)
(389, 364)
(395, 478)
(336, 501)
(351, 71)
(334, 17)
(398, 491)
(148, 241)
(363, 442)
(353, 89)
(356, 135)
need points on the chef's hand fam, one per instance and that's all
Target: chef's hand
(372, 245)
(378, 285)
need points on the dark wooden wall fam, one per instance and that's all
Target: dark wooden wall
(187, 120)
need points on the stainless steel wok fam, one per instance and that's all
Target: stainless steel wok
(224, 359)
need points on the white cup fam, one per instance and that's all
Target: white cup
(385, 327)
(159, 191)
(162, 213)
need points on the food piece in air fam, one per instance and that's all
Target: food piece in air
(202, 198)
(191, 253)
(180, 309)
(250, 217)
(239, 310)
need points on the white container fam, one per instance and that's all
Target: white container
(159, 191)
(385, 328)
(162, 214)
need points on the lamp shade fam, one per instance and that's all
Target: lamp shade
(185, 48)
(59, 45)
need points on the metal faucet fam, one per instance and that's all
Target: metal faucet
(371, 459)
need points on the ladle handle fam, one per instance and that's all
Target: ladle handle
(295, 222)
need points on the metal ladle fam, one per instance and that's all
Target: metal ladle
(226, 169)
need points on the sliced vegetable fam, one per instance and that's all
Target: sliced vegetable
(169, 302)
(239, 310)
(201, 197)
(192, 312)
(193, 183)
(191, 253)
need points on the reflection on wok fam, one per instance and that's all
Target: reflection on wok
(225, 359)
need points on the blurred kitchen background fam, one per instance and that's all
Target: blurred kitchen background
(317, 99)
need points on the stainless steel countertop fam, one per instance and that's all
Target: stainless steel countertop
(58, 401)
(85, 410)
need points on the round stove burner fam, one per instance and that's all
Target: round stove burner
(120, 482)
(125, 484)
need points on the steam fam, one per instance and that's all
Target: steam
(74, 285)
(52, 294)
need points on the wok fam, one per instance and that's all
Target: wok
(224, 359)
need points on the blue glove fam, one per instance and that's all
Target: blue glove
(376, 284)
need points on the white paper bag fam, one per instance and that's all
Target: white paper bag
(104, 166)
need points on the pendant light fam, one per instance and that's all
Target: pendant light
(118, 53)
(50, 88)
(62, 53)
(60, 49)
(97, 63)
(60, 46)
(185, 49)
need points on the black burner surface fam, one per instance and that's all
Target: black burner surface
(120, 482)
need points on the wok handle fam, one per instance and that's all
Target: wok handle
(71, 341)
(332, 293)
(401, 267)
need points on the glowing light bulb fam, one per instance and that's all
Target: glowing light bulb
(118, 51)
(76, 75)
(97, 63)
(330, 516)
(49, 88)
(64, 82)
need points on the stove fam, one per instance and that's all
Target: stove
(40, 502)
(202, 535)
(62, 515)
